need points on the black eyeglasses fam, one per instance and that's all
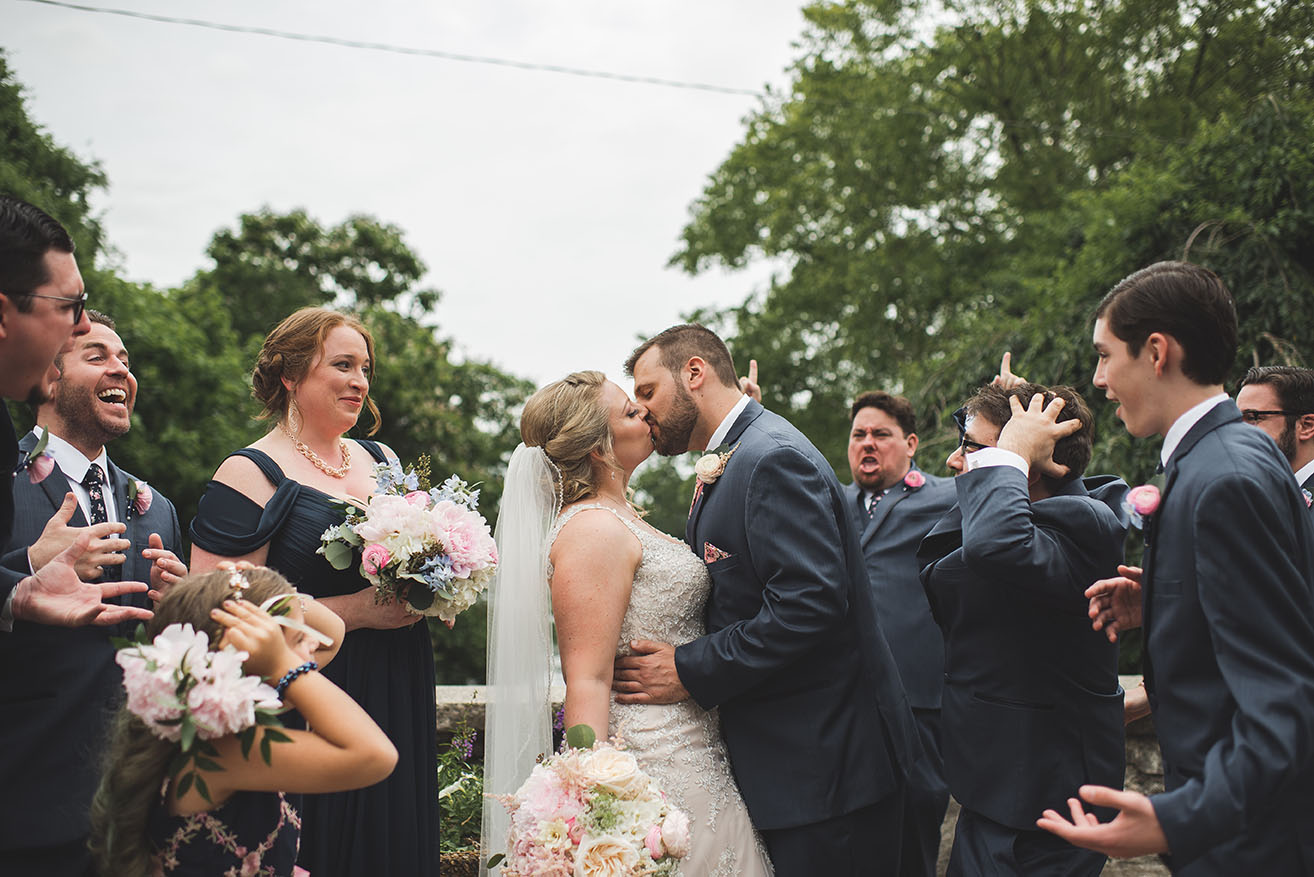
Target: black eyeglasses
(78, 304)
(1250, 415)
(965, 444)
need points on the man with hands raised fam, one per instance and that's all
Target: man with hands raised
(1031, 704)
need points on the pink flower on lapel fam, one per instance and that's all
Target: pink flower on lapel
(1309, 498)
(39, 467)
(1143, 500)
(140, 498)
(914, 479)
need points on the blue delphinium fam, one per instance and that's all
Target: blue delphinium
(457, 491)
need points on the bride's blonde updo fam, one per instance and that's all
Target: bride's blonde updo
(569, 422)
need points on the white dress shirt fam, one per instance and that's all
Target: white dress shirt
(723, 430)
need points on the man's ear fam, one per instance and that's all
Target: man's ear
(695, 372)
(1305, 428)
(912, 443)
(1164, 352)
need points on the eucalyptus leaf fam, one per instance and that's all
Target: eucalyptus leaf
(581, 736)
(188, 733)
(495, 860)
(338, 555)
(184, 784)
(203, 788)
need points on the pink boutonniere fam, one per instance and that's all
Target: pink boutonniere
(1143, 501)
(140, 498)
(1309, 498)
(39, 462)
(914, 479)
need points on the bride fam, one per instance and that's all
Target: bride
(567, 529)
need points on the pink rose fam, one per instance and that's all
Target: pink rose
(574, 830)
(914, 479)
(1144, 499)
(418, 497)
(374, 558)
(654, 842)
(39, 468)
(144, 498)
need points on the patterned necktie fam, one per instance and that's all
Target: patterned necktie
(93, 481)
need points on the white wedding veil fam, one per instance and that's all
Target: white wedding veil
(517, 725)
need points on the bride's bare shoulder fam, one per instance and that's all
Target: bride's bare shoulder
(589, 530)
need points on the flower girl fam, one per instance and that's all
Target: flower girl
(197, 765)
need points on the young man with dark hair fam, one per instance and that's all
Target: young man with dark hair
(895, 505)
(1031, 704)
(1226, 597)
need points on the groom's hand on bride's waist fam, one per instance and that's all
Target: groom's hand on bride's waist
(648, 675)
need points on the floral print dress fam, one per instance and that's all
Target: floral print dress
(252, 834)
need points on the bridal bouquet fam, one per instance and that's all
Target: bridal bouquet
(592, 812)
(427, 546)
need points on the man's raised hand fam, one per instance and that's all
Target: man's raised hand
(55, 595)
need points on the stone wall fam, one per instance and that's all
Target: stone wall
(464, 705)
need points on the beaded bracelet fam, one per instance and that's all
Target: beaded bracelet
(291, 675)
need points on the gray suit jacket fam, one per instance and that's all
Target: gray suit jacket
(811, 705)
(889, 544)
(1228, 614)
(59, 686)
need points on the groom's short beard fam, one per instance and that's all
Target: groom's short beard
(672, 433)
(1287, 441)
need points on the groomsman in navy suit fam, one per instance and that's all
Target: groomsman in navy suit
(814, 715)
(1226, 598)
(41, 311)
(1279, 399)
(58, 686)
(1032, 706)
(896, 504)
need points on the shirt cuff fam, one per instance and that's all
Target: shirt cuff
(980, 459)
(7, 613)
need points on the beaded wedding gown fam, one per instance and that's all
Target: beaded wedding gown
(680, 744)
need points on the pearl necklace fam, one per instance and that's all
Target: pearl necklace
(317, 460)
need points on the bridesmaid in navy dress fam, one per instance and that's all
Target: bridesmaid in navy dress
(270, 503)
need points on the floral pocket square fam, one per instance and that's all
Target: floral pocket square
(711, 554)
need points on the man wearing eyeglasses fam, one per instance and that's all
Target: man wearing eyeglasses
(1031, 702)
(1279, 399)
(41, 311)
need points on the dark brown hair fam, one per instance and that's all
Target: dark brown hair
(678, 344)
(896, 406)
(292, 348)
(1294, 386)
(27, 233)
(1073, 451)
(1189, 303)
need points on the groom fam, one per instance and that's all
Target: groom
(814, 716)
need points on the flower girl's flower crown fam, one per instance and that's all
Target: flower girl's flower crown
(187, 693)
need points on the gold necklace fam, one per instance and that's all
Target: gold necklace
(317, 460)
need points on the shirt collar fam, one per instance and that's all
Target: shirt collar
(723, 430)
(1305, 471)
(1182, 425)
(70, 459)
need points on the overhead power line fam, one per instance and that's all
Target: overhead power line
(406, 50)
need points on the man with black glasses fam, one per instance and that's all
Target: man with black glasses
(1279, 399)
(41, 310)
(1031, 703)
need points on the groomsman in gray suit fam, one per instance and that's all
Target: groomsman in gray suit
(1226, 598)
(1279, 399)
(895, 505)
(58, 685)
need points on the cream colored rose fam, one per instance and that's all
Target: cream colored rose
(709, 468)
(675, 834)
(605, 856)
(616, 772)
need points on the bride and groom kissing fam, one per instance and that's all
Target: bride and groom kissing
(743, 667)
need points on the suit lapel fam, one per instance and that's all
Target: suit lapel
(750, 413)
(882, 511)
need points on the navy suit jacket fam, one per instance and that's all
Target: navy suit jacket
(811, 705)
(58, 685)
(1228, 612)
(889, 544)
(1032, 707)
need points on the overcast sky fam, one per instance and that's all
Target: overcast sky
(545, 205)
